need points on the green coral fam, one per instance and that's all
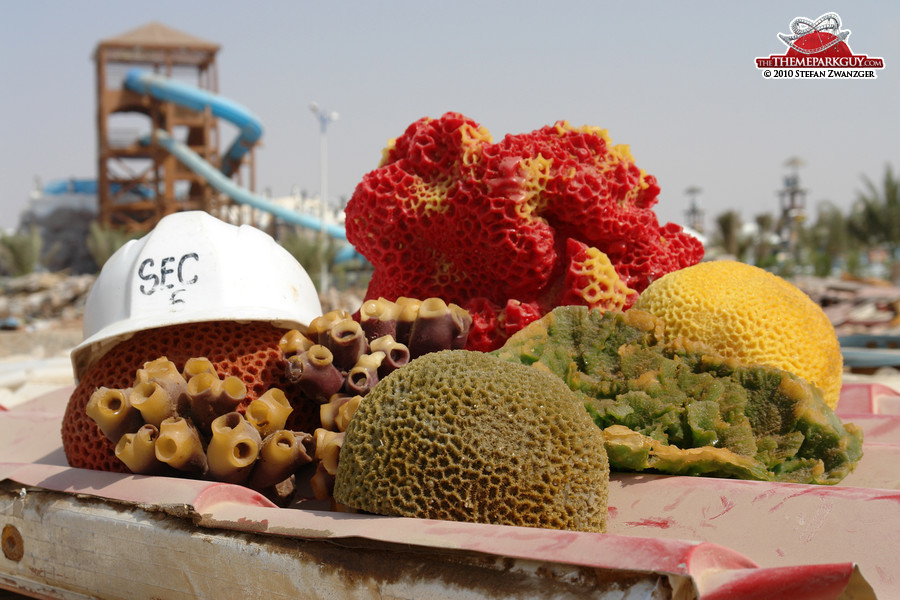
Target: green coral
(674, 406)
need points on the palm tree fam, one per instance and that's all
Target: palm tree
(102, 242)
(729, 233)
(764, 251)
(20, 253)
(309, 253)
(827, 240)
(875, 218)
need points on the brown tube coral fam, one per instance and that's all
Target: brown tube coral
(408, 311)
(179, 446)
(433, 329)
(318, 327)
(159, 392)
(161, 368)
(153, 401)
(378, 317)
(347, 343)
(346, 412)
(328, 412)
(211, 397)
(113, 413)
(322, 483)
(328, 448)
(233, 448)
(315, 373)
(462, 322)
(293, 342)
(396, 354)
(282, 453)
(196, 366)
(138, 451)
(269, 412)
(364, 374)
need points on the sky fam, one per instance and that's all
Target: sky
(676, 81)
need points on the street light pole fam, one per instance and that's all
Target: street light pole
(325, 117)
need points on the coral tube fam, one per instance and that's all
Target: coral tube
(161, 368)
(233, 448)
(378, 317)
(197, 365)
(113, 413)
(322, 483)
(328, 448)
(159, 391)
(364, 374)
(347, 343)
(318, 327)
(315, 373)
(153, 401)
(396, 354)
(269, 412)
(346, 412)
(328, 412)
(282, 453)
(408, 310)
(462, 324)
(438, 327)
(293, 342)
(138, 451)
(211, 397)
(179, 446)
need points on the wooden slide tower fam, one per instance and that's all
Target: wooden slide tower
(139, 183)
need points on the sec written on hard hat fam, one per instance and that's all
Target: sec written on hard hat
(193, 267)
(168, 274)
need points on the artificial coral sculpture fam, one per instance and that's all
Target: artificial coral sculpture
(201, 434)
(248, 352)
(465, 436)
(509, 230)
(197, 423)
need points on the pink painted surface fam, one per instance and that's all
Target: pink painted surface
(868, 398)
(733, 539)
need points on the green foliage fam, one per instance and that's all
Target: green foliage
(20, 253)
(102, 242)
(875, 219)
(307, 248)
(309, 251)
(834, 242)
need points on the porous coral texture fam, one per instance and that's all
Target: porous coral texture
(451, 214)
(249, 351)
(464, 436)
(747, 313)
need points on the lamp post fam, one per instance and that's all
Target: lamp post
(325, 117)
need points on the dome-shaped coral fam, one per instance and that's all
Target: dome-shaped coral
(750, 314)
(461, 435)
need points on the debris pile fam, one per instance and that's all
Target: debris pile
(41, 297)
(856, 306)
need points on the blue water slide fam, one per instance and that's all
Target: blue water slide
(168, 90)
(220, 182)
(193, 98)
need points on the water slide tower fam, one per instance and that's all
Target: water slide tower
(138, 181)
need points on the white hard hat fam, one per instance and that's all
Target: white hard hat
(192, 268)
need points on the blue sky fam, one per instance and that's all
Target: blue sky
(674, 80)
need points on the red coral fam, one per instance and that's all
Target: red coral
(450, 214)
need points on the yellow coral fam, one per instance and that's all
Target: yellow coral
(598, 284)
(754, 316)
